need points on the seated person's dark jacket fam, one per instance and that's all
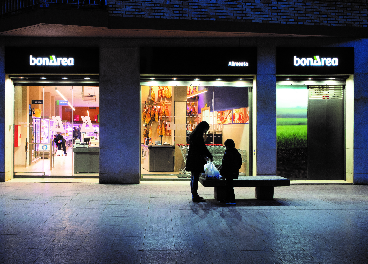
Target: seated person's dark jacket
(57, 139)
(231, 163)
(197, 154)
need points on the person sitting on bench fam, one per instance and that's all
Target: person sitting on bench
(229, 170)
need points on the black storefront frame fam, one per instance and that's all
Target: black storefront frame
(318, 64)
(205, 63)
(32, 66)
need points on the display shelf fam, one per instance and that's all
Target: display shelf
(156, 104)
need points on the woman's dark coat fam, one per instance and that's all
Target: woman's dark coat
(197, 154)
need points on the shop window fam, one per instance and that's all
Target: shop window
(169, 115)
(55, 125)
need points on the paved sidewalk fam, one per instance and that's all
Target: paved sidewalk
(156, 222)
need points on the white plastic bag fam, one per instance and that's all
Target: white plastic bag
(211, 172)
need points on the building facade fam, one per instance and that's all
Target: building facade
(303, 66)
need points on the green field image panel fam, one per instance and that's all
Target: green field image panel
(291, 136)
(292, 154)
(291, 113)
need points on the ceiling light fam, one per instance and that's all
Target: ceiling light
(87, 78)
(64, 98)
(196, 79)
(152, 78)
(65, 78)
(43, 78)
(218, 79)
(197, 93)
(174, 79)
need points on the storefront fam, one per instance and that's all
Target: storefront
(53, 103)
(287, 114)
(314, 109)
(193, 85)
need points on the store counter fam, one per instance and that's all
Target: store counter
(86, 159)
(158, 158)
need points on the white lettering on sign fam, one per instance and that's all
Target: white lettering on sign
(51, 61)
(238, 63)
(316, 61)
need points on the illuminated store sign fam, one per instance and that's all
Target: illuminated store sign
(315, 61)
(238, 63)
(62, 102)
(319, 60)
(198, 60)
(51, 60)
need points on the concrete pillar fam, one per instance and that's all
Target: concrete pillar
(361, 112)
(47, 105)
(53, 102)
(266, 110)
(2, 114)
(119, 115)
(360, 128)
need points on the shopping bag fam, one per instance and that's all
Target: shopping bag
(211, 172)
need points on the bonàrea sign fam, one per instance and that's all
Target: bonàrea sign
(51, 61)
(315, 61)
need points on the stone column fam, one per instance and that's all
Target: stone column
(53, 102)
(360, 112)
(119, 115)
(266, 110)
(47, 105)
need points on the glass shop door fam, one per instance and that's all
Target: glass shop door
(49, 127)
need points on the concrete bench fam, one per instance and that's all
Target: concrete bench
(264, 185)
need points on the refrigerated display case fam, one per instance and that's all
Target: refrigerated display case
(45, 133)
(42, 138)
(36, 137)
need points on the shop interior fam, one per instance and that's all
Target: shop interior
(311, 128)
(169, 113)
(56, 131)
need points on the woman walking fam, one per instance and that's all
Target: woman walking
(197, 157)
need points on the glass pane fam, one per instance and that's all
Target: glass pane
(47, 118)
(291, 109)
(169, 115)
(30, 140)
(85, 131)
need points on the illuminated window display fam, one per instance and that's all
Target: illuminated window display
(170, 113)
(59, 130)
